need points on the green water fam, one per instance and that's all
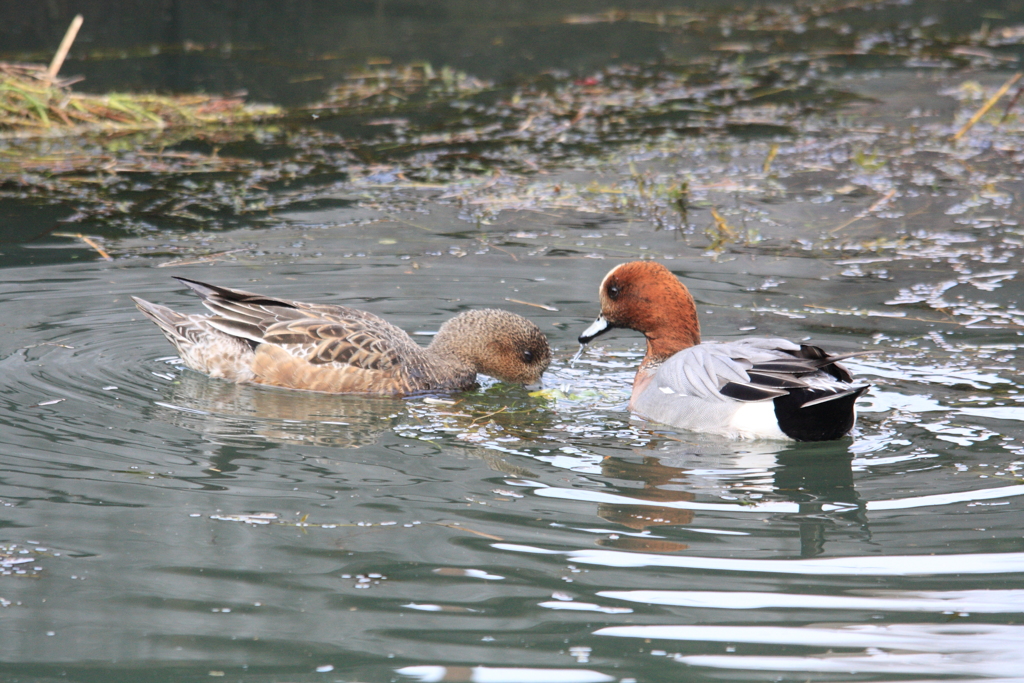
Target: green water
(158, 525)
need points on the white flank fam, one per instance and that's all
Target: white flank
(757, 420)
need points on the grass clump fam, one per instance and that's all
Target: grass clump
(32, 104)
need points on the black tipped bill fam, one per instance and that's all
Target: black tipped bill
(597, 328)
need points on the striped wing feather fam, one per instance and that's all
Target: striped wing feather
(773, 378)
(754, 370)
(313, 346)
(350, 342)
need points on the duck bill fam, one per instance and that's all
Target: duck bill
(597, 328)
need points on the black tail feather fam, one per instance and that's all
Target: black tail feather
(803, 416)
(207, 291)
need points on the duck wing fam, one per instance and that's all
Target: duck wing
(792, 367)
(311, 346)
(756, 369)
(351, 341)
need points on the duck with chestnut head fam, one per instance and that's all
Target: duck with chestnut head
(754, 387)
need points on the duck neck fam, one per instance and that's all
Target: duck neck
(670, 329)
(446, 348)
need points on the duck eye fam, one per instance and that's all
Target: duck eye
(613, 292)
(528, 356)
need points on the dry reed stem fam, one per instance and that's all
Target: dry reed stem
(65, 45)
(871, 209)
(988, 105)
(527, 303)
(89, 241)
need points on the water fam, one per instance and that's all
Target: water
(158, 525)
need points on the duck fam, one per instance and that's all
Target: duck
(753, 387)
(257, 339)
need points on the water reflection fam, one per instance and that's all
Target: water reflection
(820, 477)
(890, 565)
(936, 602)
(660, 484)
(227, 412)
(942, 650)
(810, 486)
(485, 674)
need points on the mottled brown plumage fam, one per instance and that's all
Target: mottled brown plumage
(252, 338)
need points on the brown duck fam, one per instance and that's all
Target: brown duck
(251, 338)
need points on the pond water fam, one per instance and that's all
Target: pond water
(158, 525)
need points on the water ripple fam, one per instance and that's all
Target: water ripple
(890, 565)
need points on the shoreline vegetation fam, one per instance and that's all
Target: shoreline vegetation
(34, 102)
(32, 105)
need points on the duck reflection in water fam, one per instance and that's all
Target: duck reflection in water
(660, 483)
(814, 476)
(816, 479)
(232, 413)
(236, 414)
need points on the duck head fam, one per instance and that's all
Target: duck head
(645, 296)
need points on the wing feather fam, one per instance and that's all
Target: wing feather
(770, 379)
(749, 370)
(235, 328)
(314, 334)
(750, 392)
(347, 342)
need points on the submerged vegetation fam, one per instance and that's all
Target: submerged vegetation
(777, 105)
(407, 87)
